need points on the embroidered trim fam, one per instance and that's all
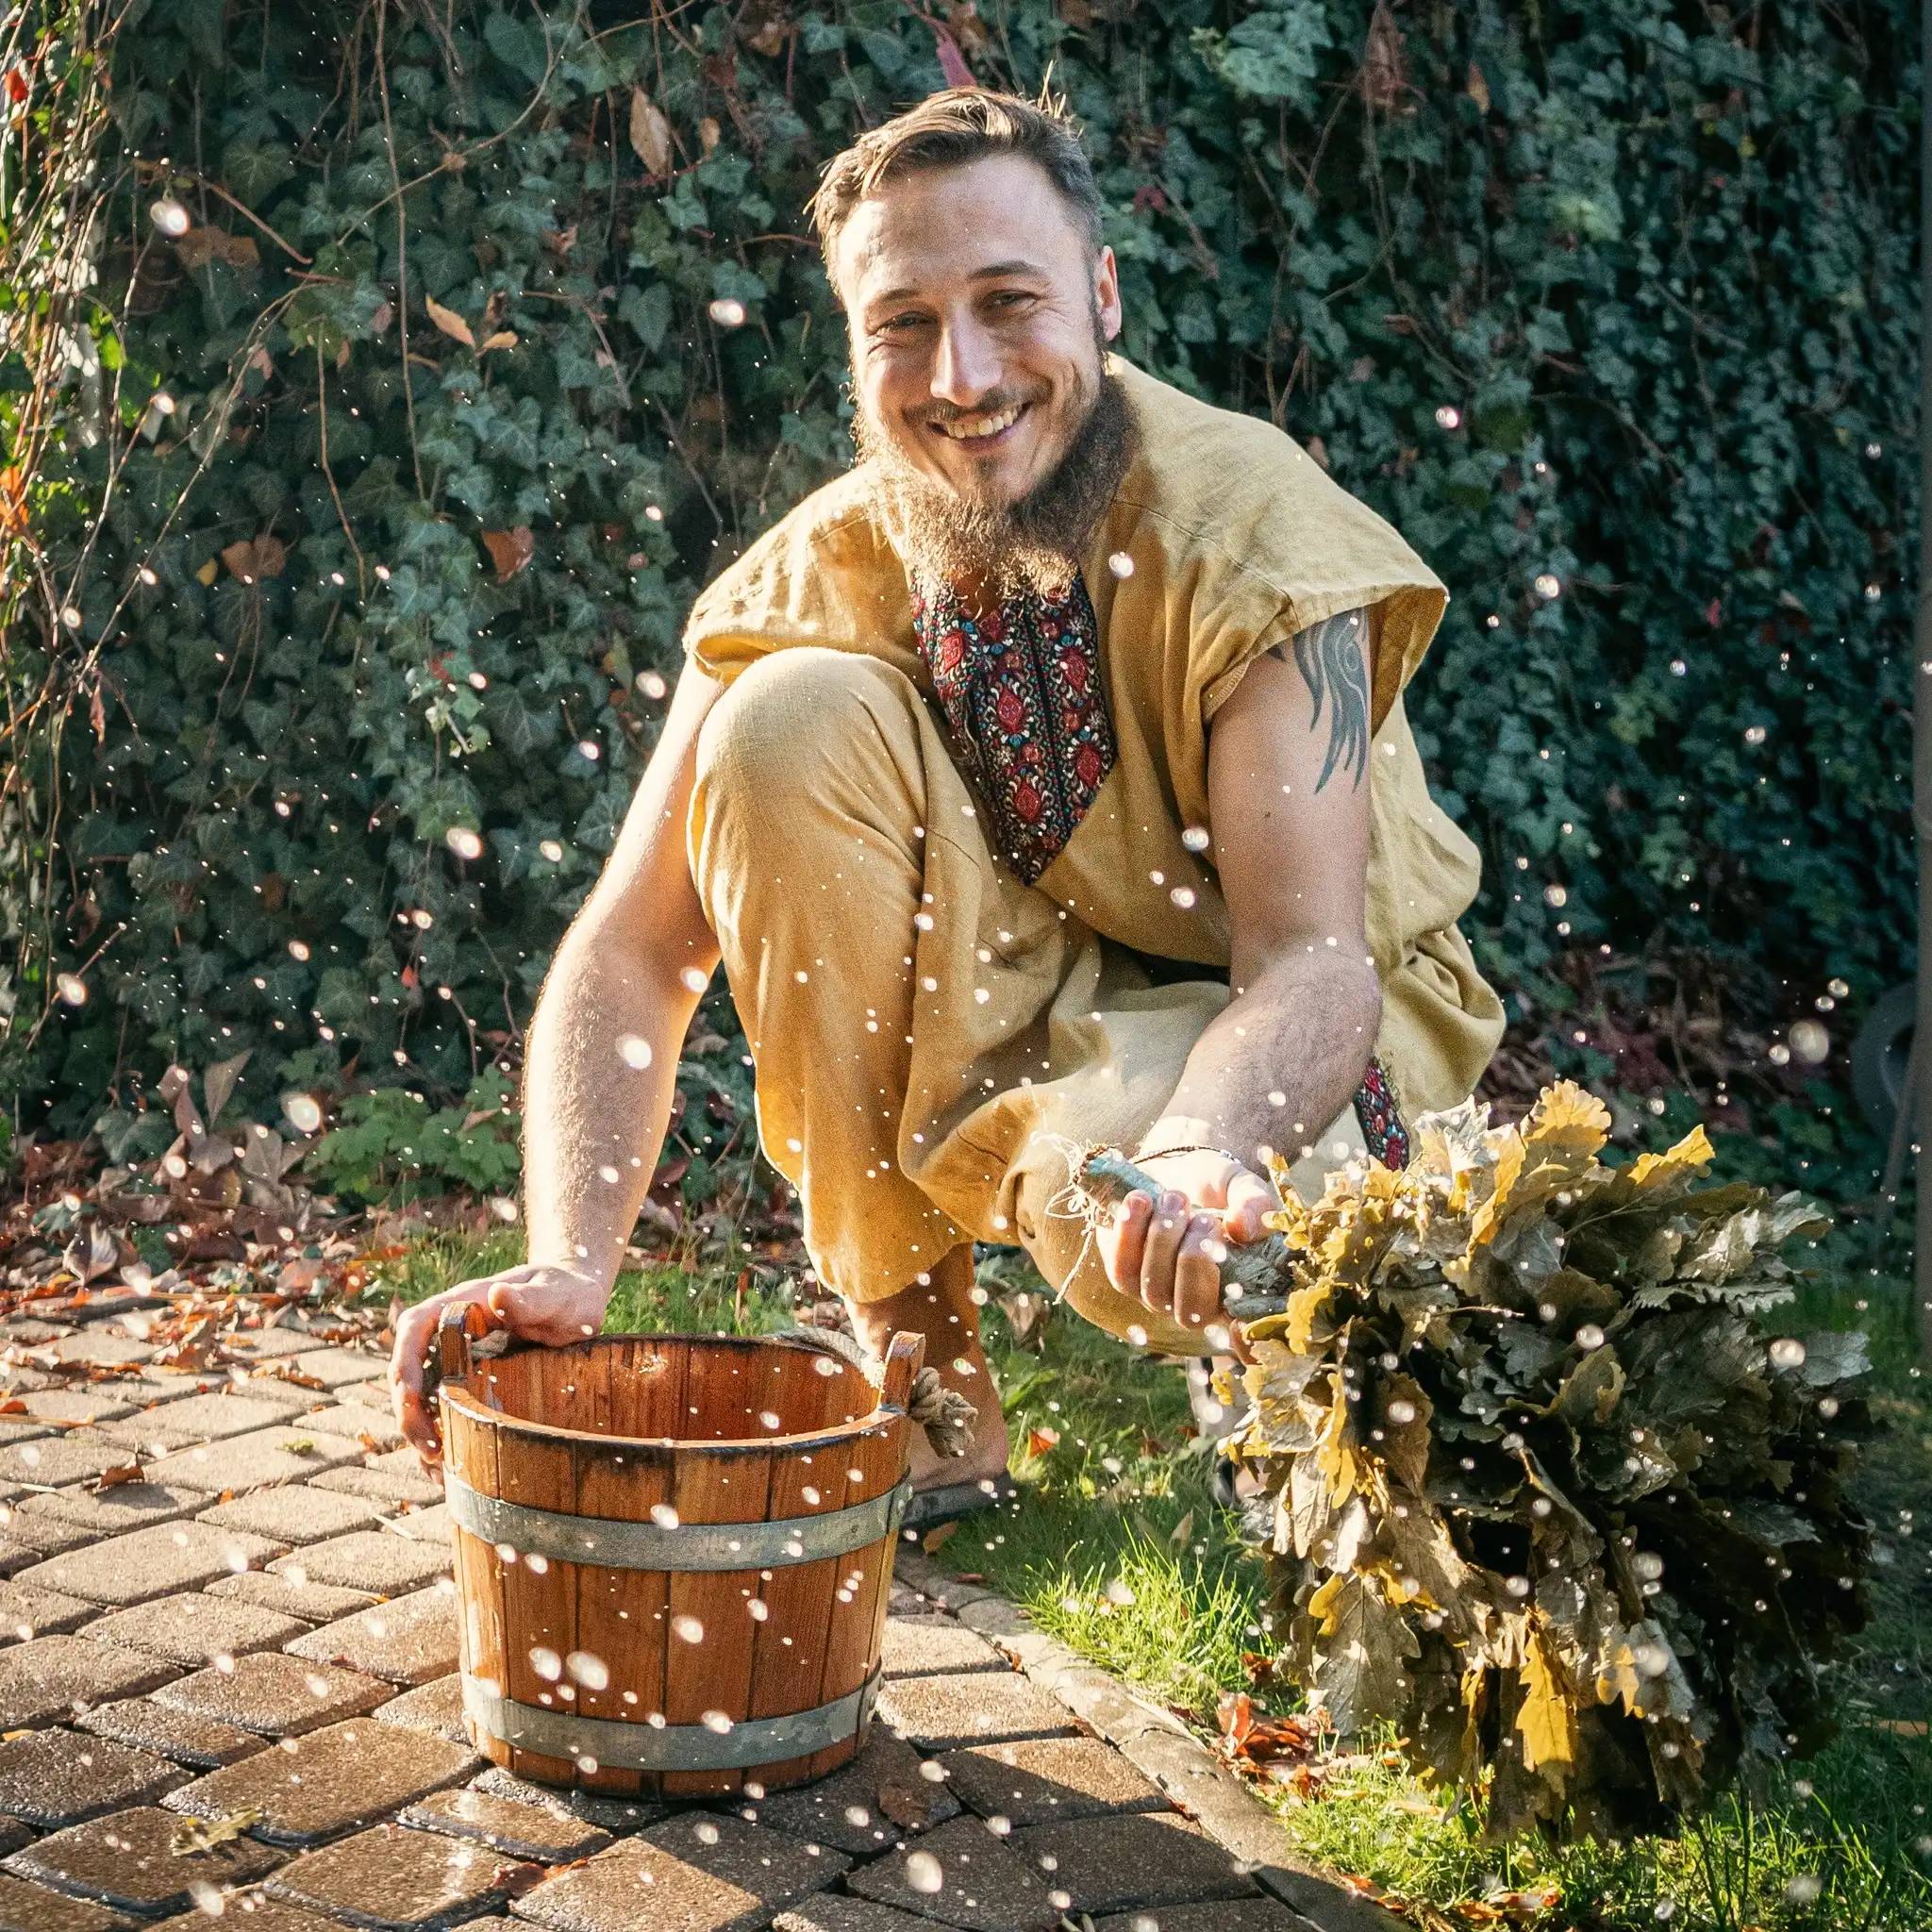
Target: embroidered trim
(1377, 1109)
(1020, 692)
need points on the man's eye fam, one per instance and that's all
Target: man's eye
(899, 325)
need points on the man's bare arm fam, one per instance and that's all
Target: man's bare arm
(1287, 767)
(599, 1074)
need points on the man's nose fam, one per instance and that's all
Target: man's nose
(967, 366)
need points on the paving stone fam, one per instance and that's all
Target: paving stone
(16, 1555)
(984, 1887)
(673, 1880)
(26, 1908)
(538, 1833)
(315, 1602)
(370, 1559)
(927, 1646)
(270, 1344)
(199, 1418)
(177, 1734)
(944, 1714)
(1109, 1864)
(310, 1789)
(392, 1878)
(292, 1514)
(337, 1368)
(1034, 1781)
(846, 1809)
(30, 1329)
(85, 1404)
(43, 1680)
(368, 1425)
(383, 1485)
(128, 1860)
(257, 1914)
(23, 1428)
(422, 1525)
(436, 1706)
(408, 1640)
(69, 1518)
(145, 1563)
(72, 1458)
(44, 1535)
(196, 1630)
(611, 1814)
(27, 1612)
(1224, 1915)
(13, 1834)
(280, 1696)
(254, 1460)
(53, 1778)
(103, 1342)
(828, 1912)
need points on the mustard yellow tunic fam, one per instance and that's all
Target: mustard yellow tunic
(846, 865)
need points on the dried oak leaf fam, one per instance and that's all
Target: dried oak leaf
(509, 549)
(450, 323)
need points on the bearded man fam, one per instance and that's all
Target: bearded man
(1042, 782)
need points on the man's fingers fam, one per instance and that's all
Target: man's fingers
(1129, 1237)
(1197, 1273)
(539, 1313)
(1249, 1197)
(1166, 1229)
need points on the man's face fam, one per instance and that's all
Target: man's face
(971, 296)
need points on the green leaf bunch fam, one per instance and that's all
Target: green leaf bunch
(1544, 1493)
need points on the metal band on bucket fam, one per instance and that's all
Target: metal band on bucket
(620, 1746)
(611, 1543)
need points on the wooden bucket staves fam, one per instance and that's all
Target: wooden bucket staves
(672, 1554)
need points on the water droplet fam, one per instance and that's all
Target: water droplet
(169, 216)
(1120, 564)
(1400, 1411)
(705, 1832)
(1197, 837)
(664, 1516)
(923, 1873)
(634, 1051)
(1183, 896)
(1548, 586)
(551, 851)
(303, 1111)
(463, 841)
(714, 1720)
(1448, 417)
(71, 989)
(652, 684)
(1827, 1406)
(590, 748)
(1778, 1053)
(1556, 895)
(1137, 1335)
(1516, 1585)
(759, 1609)
(770, 1419)
(727, 313)
(1120, 1592)
(207, 1898)
(1589, 1336)
(1803, 1888)
(589, 1670)
(687, 1629)
(1788, 1352)
(1810, 1043)
(1648, 1565)
(546, 1663)
(1754, 734)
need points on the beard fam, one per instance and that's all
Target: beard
(1033, 543)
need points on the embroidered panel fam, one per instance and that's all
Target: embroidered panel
(1381, 1118)
(1020, 692)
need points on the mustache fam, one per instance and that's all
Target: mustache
(990, 404)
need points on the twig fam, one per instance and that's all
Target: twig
(389, 141)
(321, 403)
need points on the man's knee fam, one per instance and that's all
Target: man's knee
(792, 725)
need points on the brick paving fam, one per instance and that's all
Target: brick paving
(231, 1682)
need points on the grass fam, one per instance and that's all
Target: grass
(1117, 1549)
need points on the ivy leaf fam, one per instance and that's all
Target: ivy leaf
(449, 322)
(509, 549)
(650, 133)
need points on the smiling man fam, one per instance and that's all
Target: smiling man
(1044, 781)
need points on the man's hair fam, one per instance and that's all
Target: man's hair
(951, 130)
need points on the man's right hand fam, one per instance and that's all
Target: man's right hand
(538, 1302)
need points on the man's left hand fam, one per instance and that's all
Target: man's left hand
(1168, 1254)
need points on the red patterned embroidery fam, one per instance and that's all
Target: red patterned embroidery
(1381, 1119)
(1021, 691)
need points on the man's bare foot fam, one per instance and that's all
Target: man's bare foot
(942, 1310)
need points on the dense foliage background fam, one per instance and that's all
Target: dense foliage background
(357, 569)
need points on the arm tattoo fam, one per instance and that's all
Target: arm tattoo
(1330, 658)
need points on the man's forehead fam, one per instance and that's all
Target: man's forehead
(997, 216)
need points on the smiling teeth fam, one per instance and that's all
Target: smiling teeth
(978, 427)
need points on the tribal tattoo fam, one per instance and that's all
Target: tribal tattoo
(1330, 658)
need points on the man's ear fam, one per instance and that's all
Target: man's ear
(1107, 293)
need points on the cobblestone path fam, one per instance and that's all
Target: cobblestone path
(228, 1688)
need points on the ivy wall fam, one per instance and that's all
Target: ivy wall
(489, 331)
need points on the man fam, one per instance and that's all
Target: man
(1045, 782)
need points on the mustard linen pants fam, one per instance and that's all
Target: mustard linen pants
(936, 1043)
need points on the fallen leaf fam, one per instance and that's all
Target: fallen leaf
(200, 246)
(204, 1834)
(1479, 89)
(449, 322)
(208, 571)
(938, 1537)
(509, 549)
(1040, 1440)
(709, 134)
(120, 1473)
(503, 338)
(909, 1802)
(650, 133)
(952, 61)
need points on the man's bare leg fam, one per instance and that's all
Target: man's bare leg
(942, 1310)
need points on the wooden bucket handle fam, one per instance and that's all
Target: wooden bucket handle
(905, 1358)
(459, 1323)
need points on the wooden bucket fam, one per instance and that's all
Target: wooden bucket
(672, 1554)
